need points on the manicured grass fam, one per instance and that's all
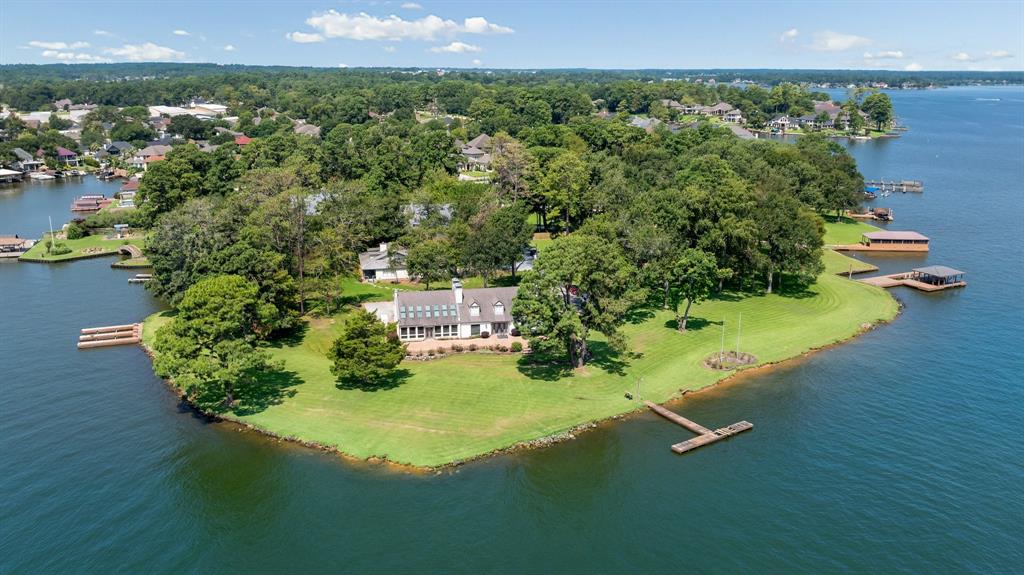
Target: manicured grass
(38, 252)
(467, 405)
(845, 231)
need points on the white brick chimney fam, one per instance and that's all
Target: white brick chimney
(457, 290)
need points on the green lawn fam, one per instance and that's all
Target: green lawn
(38, 252)
(845, 231)
(467, 405)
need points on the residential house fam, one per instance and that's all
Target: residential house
(26, 162)
(476, 154)
(138, 161)
(303, 129)
(66, 157)
(779, 123)
(692, 109)
(118, 148)
(718, 109)
(733, 117)
(454, 313)
(243, 140)
(14, 246)
(383, 264)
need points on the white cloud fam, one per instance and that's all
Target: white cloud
(913, 67)
(885, 55)
(998, 54)
(480, 25)
(362, 26)
(477, 62)
(58, 45)
(457, 48)
(181, 33)
(229, 48)
(148, 52)
(990, 55)
(829, 41)
(102, 33)
(343, 65)
(71, 57)
(789, 35)
(303, 37)
(412, 6)
(963, 57)
(390, 49)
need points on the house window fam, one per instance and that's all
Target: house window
(401, 312)
(413, 332)
(474, 310)
(474, 329)
(446, 331)
(444, 311)
(428, 311)
(451, 310)
(499, 308)
(419, 311)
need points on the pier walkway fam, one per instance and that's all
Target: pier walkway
(704, 435)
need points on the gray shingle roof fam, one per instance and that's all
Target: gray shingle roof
(939, 271)
(484, 298)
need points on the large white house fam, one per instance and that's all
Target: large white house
(454, 313)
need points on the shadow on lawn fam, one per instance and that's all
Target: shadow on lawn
(291, 337)
(391, 381)
(554, 368)
(267, 389)
(692, 324)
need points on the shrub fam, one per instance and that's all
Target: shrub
(485, 334)
(430, 352)
(514, 332)
(501, 348)
(516, 347)
(57, 249)
(76, 231)
(472, 347)
(457, 348)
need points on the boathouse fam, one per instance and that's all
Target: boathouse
(896, 241)
(938, 275)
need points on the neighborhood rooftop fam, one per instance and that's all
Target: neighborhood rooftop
(939, 271)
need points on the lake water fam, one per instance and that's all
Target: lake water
(898, 452)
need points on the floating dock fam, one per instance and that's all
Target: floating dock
(914, 186)
(140, 278)
(110, 335)
(704, 435)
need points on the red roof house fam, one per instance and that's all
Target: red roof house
(242, 140)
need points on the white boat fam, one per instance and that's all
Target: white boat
(41, 176)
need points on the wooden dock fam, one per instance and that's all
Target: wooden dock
(914, 186)
(110, 335)
(906, 279)
(704, 435)
(140, 278)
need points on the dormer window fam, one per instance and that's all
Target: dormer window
(499, 308)
(474, 309)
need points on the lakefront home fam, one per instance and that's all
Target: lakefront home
(66, 157)
(476, 153)
(383, 264)
(454, 313)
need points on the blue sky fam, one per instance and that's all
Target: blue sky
(862, 35)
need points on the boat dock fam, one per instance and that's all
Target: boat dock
(704, 435)
(140, 278)
(110, 335)
(915, 186)
(928, 279)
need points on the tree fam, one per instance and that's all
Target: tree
(431, 260)
(57, 123)
(565, 182)
(513, 168)
(208, 349)
(579, 283)
(367, 351)
(878, 107)
(694, 274)
(790, 238)
(131, 132)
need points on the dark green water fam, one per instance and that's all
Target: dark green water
(898, 452)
